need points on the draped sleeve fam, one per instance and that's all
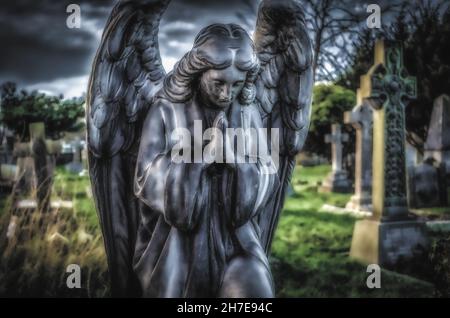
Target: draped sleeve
(170, 188)
(252, 184)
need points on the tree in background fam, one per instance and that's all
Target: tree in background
(329, 104)
(335, 26)
(427, 56)
(19, 109)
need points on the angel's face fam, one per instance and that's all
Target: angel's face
(219, 88)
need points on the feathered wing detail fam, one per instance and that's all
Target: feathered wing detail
(126, 74)
(284, 89)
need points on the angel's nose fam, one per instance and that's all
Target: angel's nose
(225, 93)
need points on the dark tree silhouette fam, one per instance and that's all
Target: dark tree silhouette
(20, 108)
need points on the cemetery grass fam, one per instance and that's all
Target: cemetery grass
(35, 264)
(309, 253)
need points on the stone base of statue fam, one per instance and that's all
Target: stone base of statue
(337, 181)
(360, 202)
(386, 243)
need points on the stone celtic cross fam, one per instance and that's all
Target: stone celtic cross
(392, 233)
(387, 87)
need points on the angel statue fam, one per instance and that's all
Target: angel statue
(201, 226)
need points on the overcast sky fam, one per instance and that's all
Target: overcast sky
(38, 50)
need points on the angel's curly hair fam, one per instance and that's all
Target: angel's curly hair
(215, 47)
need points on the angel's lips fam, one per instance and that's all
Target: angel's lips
(224, 101)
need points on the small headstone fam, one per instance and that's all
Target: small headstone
(8, 170)
(412, 155)
(437, 145)
(427, 185)
(337, 180)
(76, 166)
(6, 146)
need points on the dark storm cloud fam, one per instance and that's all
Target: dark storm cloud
(38, 46)
(184, 19)
(39, 51)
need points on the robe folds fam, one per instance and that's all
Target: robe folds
(196, 219)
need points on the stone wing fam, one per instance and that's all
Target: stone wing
(127, 73)
(284, 89)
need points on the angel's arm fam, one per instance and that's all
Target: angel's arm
(253, 182)
(169, 188)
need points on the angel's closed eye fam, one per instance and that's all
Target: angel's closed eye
(238, 83)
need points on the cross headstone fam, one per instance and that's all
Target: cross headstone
(361, 118)
(76, 166)
(337, 180)
(427, 185)
(391, 234)
(437, 145)
(35, 165)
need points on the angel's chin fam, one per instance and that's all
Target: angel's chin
(222, 104)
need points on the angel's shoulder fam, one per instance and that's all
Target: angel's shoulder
(162, 105)
(252, 112)
(166, 110)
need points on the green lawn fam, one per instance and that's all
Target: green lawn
(309, 253)
(311, 249)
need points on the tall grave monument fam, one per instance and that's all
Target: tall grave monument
(361, 118)
(391, 233)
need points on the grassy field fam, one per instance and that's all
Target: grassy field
(309, 253)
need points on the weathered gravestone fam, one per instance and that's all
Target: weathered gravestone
(337, 180)
(36, 166)
(310, 160)
(6, 143)
(361, 118)
(427, 185)
(437, 145)
(412, 156)
(8, 171)
(76, 166)
(392, 233)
